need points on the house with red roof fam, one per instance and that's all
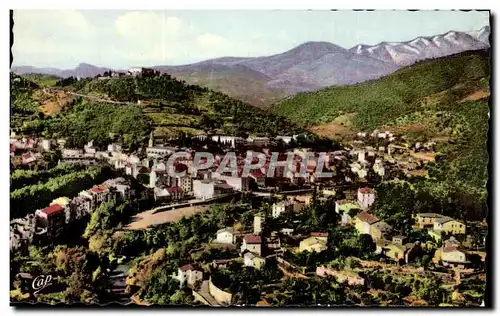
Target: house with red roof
(100, 193)
(189, 274)
(176, 193)
(366, 197)
(28, 158)
(51, 218)
(320, 235)
(364, 221)
(252, 243)
(258, 177)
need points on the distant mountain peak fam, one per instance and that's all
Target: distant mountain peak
(305, 67)
(318, 46)
(85, 65)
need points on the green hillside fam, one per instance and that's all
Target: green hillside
(382, 101)
(445, 100)
(42, 79)
(130, 108)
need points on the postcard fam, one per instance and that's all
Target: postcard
(249, 158)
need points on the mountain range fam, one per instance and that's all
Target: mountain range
(307, 67)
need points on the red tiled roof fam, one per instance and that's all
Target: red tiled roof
(257, 174)
(367, 217)
(174, 189)
(252, 239)
(161, 171)
(224, 186)
(52, 209)
(144, 170)
(366, 190)
(315, 234)
(98, 189)
(188, 267)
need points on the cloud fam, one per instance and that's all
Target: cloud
(155, 38)
(151, 25)
(41, 36)
(208, 40)
(66, 38)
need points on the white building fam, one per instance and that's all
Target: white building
(135, 71)
(46, 144)
(361, 156)
(225, 236)
(366, 197)
(159, 151)
(254, 261)
(203, 189)
(252, 243)
(379, 168)
(238, 183)
(72, 153)
(281, 207)
(161, 194)
(189, 274)
(115, 148)
(258, 141)
(230, 140)
(258, 221)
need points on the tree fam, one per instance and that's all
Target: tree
(365, 245)
(476, 261)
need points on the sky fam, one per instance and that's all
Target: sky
(123, 39)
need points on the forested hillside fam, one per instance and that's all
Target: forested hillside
(383, 101)
(128, 109)
(445, 100)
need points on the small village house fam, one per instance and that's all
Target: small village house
(189, 274)
(273, 242)
(225, 236)
(426, 220)
(449, 225)
(366, 197)
(254, 261)
(258, 177)
(281, 207)
(452, 256)
(363, 222)
(316, 243)
(287, 231)
(380, 230)
(252, 243)
(64, 202)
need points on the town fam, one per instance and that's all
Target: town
(437, 244)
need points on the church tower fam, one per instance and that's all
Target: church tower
(151, 141)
